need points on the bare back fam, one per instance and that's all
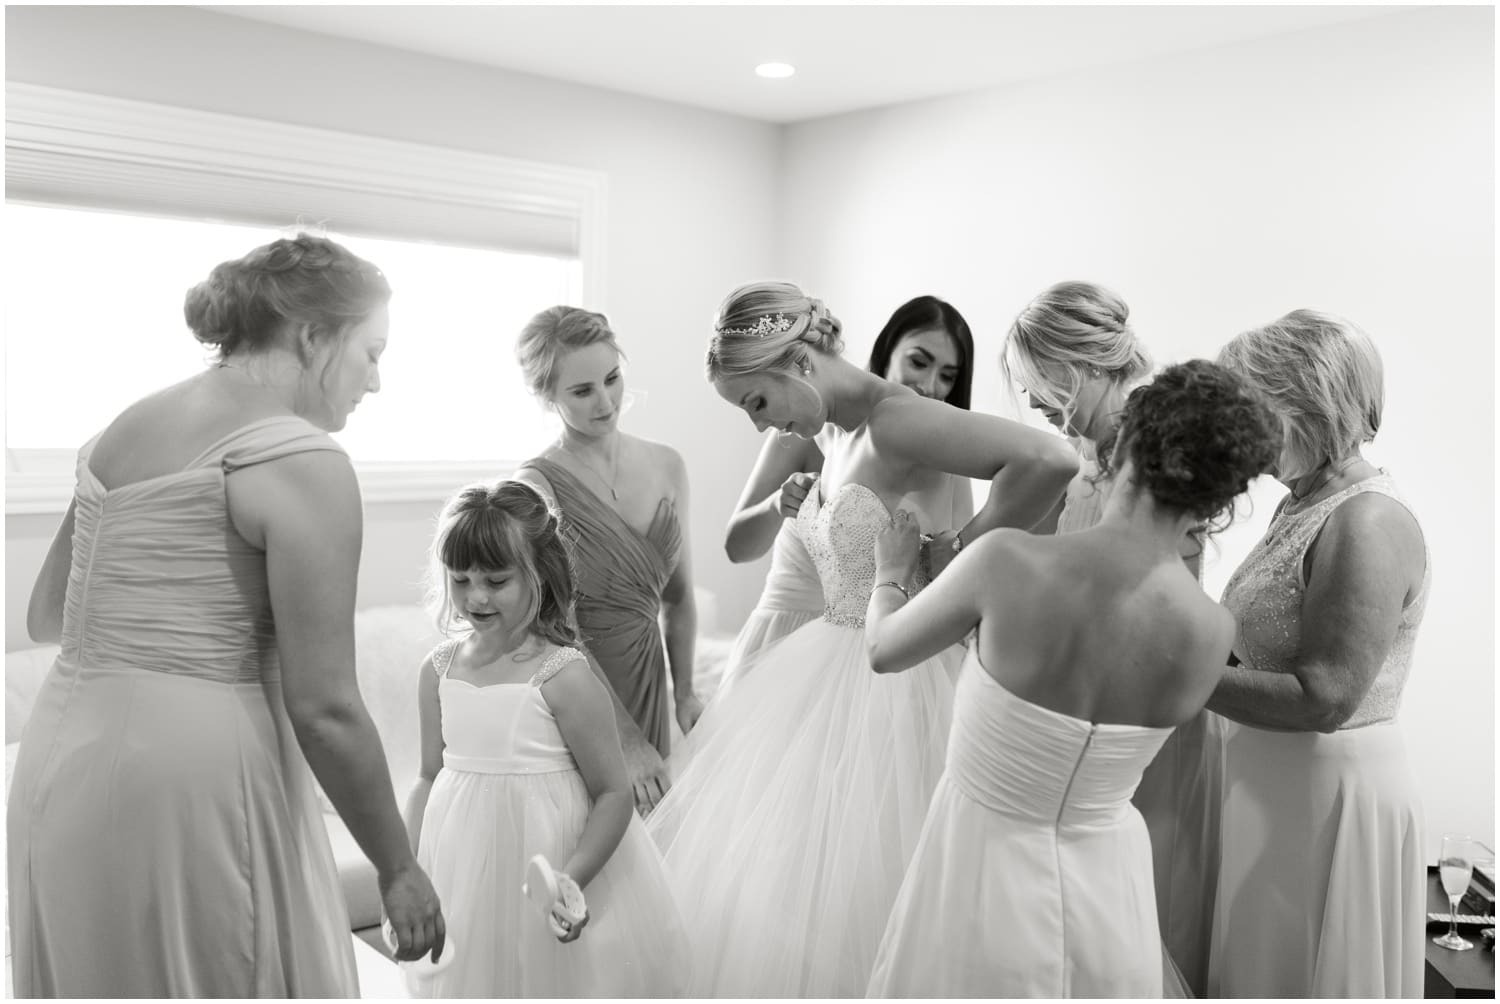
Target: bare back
(1098, 626)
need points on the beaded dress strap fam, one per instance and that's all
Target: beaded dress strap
(442, 657)
(555, 663)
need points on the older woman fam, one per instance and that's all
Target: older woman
(1321, 889)
(624, 505)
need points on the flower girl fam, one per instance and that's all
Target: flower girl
(520, 759)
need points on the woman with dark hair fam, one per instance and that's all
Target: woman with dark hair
(1033, 875)
(925, 345)
(165, 838)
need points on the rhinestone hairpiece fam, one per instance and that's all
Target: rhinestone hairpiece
(765, 326)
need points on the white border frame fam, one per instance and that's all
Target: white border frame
(127, 139)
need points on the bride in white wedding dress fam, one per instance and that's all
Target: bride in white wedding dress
(789, 829)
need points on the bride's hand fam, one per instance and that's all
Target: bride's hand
(896, 549)
(940, 553)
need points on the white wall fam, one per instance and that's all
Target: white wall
(1348, 168)
(690, 213)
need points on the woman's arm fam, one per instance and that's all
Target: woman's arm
(304, 510)
(44, 613)
(581, 707)
(430, 720)
(648, 771)
(1361, 572)
(679, 609)
(899, 633)
(1028, 470)
(767, 498)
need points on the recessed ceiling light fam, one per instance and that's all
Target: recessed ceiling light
(775, 71)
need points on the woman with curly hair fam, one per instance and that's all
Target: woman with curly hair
(1032, 876)
(1075, 354)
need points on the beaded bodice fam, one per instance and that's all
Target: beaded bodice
(839, 532)
(1265, 595)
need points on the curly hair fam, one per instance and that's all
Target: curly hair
(1197, 435)
(506, 525)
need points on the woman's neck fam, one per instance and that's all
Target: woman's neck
(274, 372)
(1139, 512)
(1327, 480)
(852, 393)
(604, 448)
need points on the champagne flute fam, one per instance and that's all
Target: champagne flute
(1455, 867)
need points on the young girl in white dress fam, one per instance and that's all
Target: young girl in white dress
(789, 829)
(521, 757)
(1032, 877)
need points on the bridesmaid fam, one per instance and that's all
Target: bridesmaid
(1073, 351)
(1032, 876)
(624, 506)
(925, 345)
(165, 838)
(1322, 889)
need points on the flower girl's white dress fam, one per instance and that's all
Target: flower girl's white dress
(510, 789)
(788, 832)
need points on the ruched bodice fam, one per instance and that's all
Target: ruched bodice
(167, 543)
(502, 728)
(839, 532)
(1019, 758)
(1032, 877)
(165, 833)
(792, 583)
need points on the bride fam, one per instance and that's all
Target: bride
(804, 790)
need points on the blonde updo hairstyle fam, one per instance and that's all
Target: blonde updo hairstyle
(1323, 377)
(245, 304)
(554, 333)
(1070, 334)
(770, 326)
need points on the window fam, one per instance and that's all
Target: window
(116, 208)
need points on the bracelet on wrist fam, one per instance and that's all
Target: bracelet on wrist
(894, 584)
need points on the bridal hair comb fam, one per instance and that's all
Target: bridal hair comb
(765, 326)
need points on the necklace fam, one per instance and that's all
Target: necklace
(1329, 475)
(614, 464)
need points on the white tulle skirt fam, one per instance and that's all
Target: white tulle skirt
(788, 831)
(477, 835)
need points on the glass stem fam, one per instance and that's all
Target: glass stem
(1453, 916)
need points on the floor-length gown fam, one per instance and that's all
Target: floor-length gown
(788, 832)
(510, 789)
(165, 838)
(1322, 888)
(1033, 874)
(620, 574)
(1179, 796)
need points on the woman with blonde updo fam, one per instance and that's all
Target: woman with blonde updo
(925, 345)
(789, 830)
(1073, 351)
(1322, 888)
(624, 507)
(165, 837)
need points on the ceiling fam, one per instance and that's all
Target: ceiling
(847, 57)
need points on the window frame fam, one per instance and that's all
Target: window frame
(126, 147)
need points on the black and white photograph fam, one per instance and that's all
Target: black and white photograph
(750, 501)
